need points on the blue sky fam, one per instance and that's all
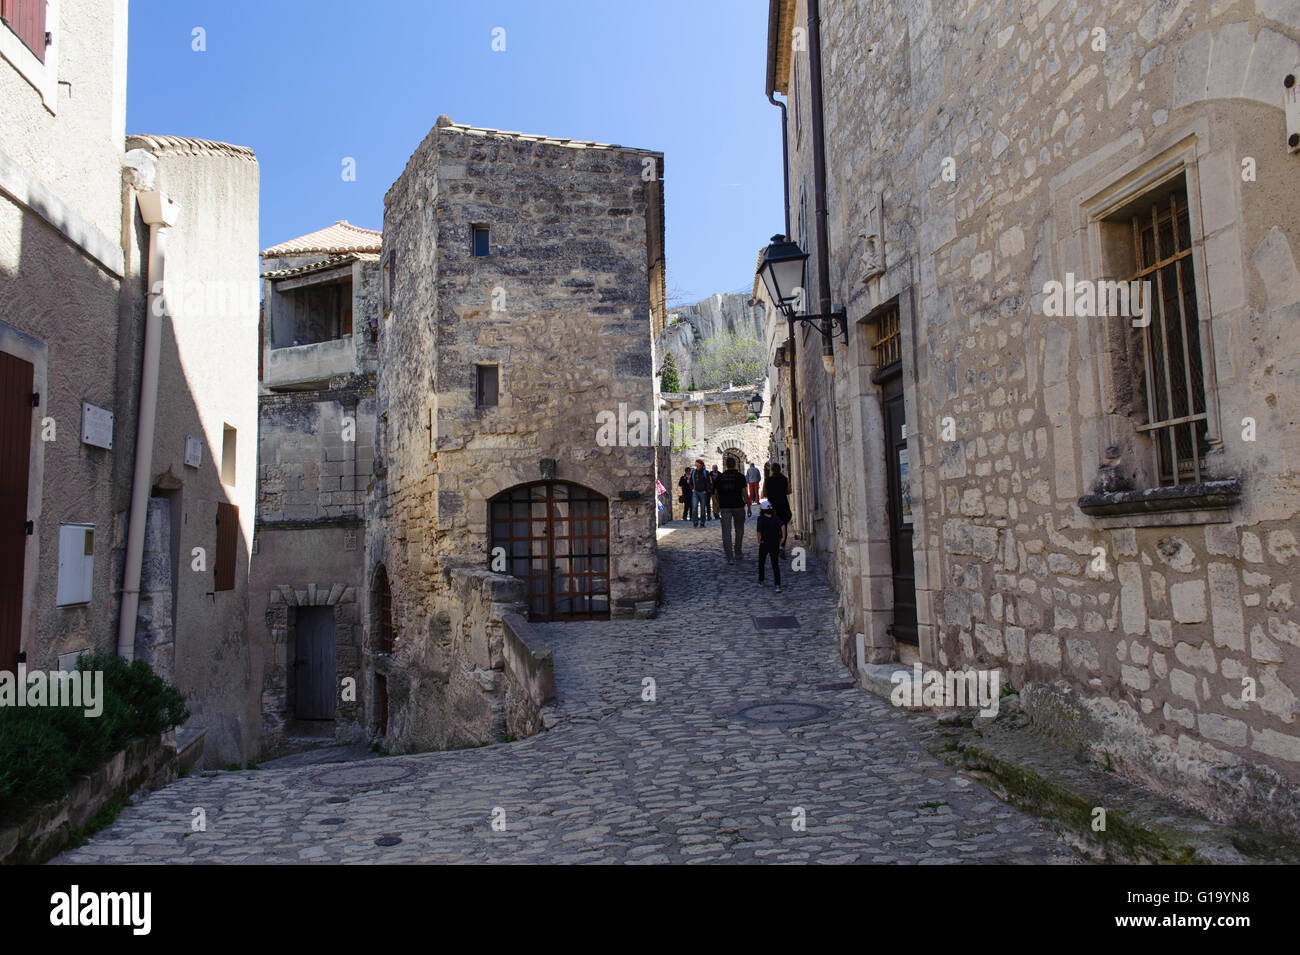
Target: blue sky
(307, 83)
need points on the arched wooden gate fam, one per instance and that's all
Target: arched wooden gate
(554, 536)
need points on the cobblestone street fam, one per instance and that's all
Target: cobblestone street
(685, 778)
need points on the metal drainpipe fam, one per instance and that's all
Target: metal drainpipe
(821, 215)
(785, 170)
(158, 212)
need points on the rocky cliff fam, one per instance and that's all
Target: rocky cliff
(690, 326)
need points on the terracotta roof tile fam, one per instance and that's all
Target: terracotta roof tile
(328, 263)
(340, 237)
(187, 146)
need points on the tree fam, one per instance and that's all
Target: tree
(731, 357)
(669, 380)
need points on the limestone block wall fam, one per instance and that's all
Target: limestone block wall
(312, 465)
(1181, 636)
(447, 686)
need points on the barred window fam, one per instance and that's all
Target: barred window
(888, 346)
(1173, 375)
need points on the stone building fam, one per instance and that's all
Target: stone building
(711, 425)
(1098, 498)
(522, 282)
(320, 295)
(127, 362)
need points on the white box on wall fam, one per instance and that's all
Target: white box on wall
(96, 426)
(76, 563)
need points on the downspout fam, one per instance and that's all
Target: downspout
(158, 212)
(821, 215)
(773, 25)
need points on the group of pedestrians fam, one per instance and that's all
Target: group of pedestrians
(730, 496)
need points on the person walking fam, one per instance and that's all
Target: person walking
(684, 482)
(769, 529)
(753, 476)
(729, 498)
(713, 508)
(777, 493)
(701, 490)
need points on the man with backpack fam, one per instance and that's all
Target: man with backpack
(729, 490)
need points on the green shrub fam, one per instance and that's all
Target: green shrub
(43, 748)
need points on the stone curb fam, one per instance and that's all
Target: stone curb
(1027, 771)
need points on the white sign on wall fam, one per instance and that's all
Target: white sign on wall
(96, 426)
(193, 451)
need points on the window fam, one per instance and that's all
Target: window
(29, 43)
(816, 462)
(227, 544)
(486, 382)
(382, 612)
(1171, 343)
(228, 456)
(480, 238)
(1158, 349)
(26, 18)
(387, 281)
(889, 339)
(794, 95)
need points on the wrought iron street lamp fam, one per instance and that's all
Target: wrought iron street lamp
(756, 404)
(782, 267)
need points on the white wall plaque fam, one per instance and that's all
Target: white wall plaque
(96, 426)
(193, 451)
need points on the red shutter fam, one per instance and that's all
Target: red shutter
(27, 19)
(15, 447)
(227, 544)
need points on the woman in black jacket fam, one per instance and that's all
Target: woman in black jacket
(684, 482)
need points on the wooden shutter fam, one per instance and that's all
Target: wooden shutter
(27, 19)
(16, 378)
(227, 545)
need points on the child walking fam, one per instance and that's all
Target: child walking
(769, 541)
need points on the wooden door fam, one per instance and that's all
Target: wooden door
(16, 378)
(555, 537)
(314, 667)
(900, 510)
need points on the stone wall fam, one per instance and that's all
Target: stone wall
(446, 685)
(1178, 631)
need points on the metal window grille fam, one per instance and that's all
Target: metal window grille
(1174, 378)
(384, 612)
(889, 339)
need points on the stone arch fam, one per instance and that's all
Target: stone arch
(491, 485)
(729, 449)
